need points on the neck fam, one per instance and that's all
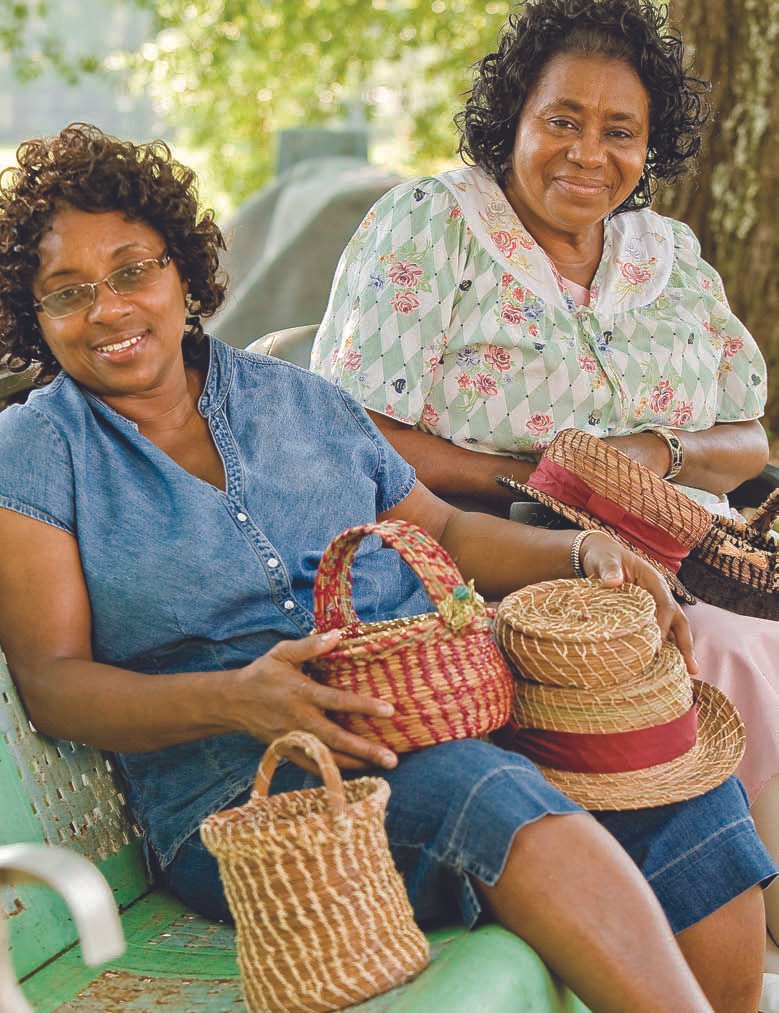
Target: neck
(576, 253)
(168, 408)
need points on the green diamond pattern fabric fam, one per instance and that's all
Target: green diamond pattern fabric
(446, 314)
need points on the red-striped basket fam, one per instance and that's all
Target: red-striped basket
(442, 670)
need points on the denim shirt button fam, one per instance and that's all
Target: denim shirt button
(242, 517)
(289, 604)
(273, 562)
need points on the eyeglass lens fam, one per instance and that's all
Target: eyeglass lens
(124, 281)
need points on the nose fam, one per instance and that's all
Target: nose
(587, 149)
(108, 303)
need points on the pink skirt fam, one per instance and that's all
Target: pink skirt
(740, 655)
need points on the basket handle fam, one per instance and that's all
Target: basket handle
(763, 518)
(319, 753)
(333, 608)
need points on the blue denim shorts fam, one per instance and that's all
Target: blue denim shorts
(453, 814)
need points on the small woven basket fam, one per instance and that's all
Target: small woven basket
(442, 670)
(554, 631)
(322, 917)
(736, 566)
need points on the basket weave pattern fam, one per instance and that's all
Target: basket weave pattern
(617, 477)
(736, 566)
(663, 737)
(643, 703)
(322, 917)
(442, 670)
(553, 631)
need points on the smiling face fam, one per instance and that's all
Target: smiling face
(580, 146)
(121, 345)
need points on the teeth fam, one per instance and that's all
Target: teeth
(121, 345)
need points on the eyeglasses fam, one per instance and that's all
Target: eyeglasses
(123, 281)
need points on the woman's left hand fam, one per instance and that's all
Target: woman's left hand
(601, 556)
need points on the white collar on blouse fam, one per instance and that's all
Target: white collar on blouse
(637, 248)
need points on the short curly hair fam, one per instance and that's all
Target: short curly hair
(633, 31)
(92, 171)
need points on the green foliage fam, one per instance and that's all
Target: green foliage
(228, 74)
(37, 38)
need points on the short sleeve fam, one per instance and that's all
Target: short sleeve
(36, 472)
(742, 377)
(392, 300)
(394, 476)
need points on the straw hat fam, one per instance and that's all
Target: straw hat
(656, 737)
(593, 485)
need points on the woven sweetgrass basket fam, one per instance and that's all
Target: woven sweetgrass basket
(736, 566)
(442, 670)
(555, 630)
(618, 488)
(322, 916)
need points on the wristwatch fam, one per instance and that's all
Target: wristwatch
(674, 445)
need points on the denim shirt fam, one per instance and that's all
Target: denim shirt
(184, 577)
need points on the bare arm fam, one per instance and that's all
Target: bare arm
(451, 471)
(716, 459)
(45, 630)
(502, 556)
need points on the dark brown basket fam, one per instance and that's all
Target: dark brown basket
(442, 670)
(736, 566)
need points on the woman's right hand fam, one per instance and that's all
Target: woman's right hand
(273, 695)
(604, 557)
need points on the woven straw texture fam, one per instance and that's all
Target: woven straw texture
(321, 913)
(614, 475)
(559, 631)
(619, 478)
(598, 668)
(715, 755)
(442, 671)
(736, 566)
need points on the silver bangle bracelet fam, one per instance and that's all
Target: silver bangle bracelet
(576, 548)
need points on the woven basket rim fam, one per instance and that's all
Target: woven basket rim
(406, 632)
(317, 817)
(577, 631)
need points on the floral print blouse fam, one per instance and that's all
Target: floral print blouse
(446, 314)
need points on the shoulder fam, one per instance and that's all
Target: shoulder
(423, 197)
(284, 383)
(46, 416)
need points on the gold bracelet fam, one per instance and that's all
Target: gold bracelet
(576, 548)
(674, 444)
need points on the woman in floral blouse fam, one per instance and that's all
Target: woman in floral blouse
(487, 308)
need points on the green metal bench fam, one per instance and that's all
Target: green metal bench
(64, 794)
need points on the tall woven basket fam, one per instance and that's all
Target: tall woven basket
(321, 913)
(736, 565)
(442, 670)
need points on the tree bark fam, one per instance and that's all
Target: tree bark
(732, 204)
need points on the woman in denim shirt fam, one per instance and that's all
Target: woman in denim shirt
(164, 503)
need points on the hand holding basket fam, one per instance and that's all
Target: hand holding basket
(441, 670)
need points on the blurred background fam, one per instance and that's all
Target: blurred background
(261, 95)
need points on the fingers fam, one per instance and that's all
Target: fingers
(297, 651)
(605, 558)
(681, 634)
(601, 557)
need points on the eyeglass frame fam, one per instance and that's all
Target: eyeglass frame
(40, 305)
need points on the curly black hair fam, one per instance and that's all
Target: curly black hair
(92, 171)
(633, 31)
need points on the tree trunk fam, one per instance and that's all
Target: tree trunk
(732, 204)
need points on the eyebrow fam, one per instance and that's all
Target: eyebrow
(65, 272)
(577, 107)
